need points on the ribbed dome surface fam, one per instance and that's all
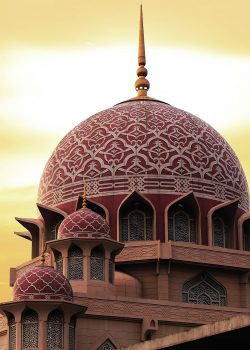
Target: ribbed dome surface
(147, 146)
(84, 223)
(42, 282)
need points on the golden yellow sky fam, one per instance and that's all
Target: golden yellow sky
(63, 60)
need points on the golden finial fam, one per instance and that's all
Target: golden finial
(142, 84)
(43, 252)
(84, 197)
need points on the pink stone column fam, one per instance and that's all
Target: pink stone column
(66, 336)
(18, 335)
(42, 334)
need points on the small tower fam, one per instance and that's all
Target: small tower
(84, 252)
(42, 314)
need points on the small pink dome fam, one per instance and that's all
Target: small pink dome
(42, 282)
(84, 223)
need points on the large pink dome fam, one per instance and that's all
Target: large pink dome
(84, 223)
(42, 282)
(147, 146)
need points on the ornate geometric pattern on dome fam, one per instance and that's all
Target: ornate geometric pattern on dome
(220, 233)
(75, 263)
(144, 146)
(12, 333)
(181, 227)
(107, 345)
(30, 330)
(42, 282)
(84, 223)
(203, 289)
(31, 264)
(55, 331)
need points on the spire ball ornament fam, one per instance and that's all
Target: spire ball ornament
(142, 84)
(84, 197)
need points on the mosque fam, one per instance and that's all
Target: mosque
(143, 237)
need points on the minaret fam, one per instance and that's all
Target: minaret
(142, 84)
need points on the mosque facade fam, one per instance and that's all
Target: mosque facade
(143, 233)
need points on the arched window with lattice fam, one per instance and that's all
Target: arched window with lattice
(181, 224)
(204, 289)
(97, 264)
(221, 236)
(30, 327)
(12, 333)
(246, 235)
(58, 260)
(107, 345)
(54, 230)
(136, 219)
(75, 263)
(72, 333)
(55, 330)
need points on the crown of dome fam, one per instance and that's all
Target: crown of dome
(84, 223)
(42, 282)
(147, 146)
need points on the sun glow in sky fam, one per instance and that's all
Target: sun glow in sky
(62, 61)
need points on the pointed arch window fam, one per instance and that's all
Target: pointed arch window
(246, 235)
(75, 263)
(97, 264)
(221, 237)
(107, 345)
(204, 289)
(181, 225)
(12, 333)
(54, 230)
(55, 330)
(30, 328)
(58, 261)
(136, 219)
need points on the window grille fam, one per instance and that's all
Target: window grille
(12, 333)
(72, 334)
(59, 261)
(124, 229)
(97, 265)
(181, 226)
(220, 233)
(55, 331)
(75, 263)
(54, 230)
(136, 226)
(203, 289)
(107, 345)
(30, 330)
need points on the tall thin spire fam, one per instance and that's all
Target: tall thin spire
(42, 259)
(84, 197)
(141, 85)
(141, 47)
